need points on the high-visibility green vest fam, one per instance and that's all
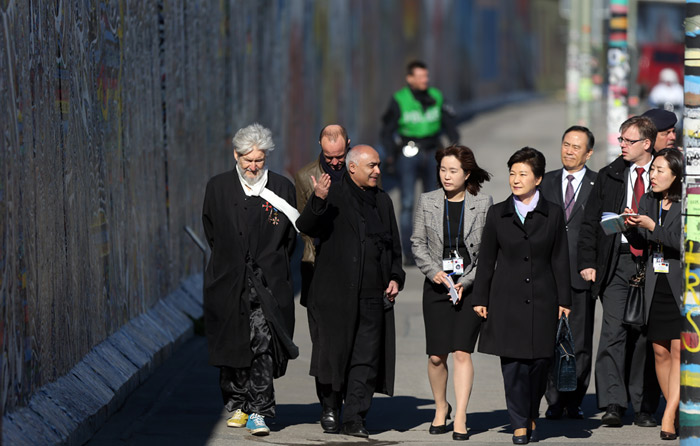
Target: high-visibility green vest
(414, 121)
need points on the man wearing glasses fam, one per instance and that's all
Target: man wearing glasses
(608, 262)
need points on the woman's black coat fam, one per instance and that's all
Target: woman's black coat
(226, 306)
(669, 236)
(334, 290)
(522, 278)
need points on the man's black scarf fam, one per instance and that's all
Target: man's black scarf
(366, 201)
(336, 175)
(424, 98)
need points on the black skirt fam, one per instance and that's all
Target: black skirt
(448, 327)
(665, 320)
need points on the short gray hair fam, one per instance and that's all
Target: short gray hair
(255, 136)
(353, 156)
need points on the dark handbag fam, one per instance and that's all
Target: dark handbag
(635, 313)
(564, 370)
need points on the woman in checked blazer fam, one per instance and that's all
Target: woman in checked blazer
(446, 236)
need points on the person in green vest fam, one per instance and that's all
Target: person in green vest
(412, 125)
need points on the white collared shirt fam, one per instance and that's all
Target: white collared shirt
(630, 180)
(575, 183)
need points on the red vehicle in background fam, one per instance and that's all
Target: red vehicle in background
(653, 58)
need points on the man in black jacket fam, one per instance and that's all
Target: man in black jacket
(608, 261)
(570, 187)
(417, 115)
(356, 279)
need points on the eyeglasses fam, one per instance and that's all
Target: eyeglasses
(628, 142)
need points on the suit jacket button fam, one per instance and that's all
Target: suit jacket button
(525, 237)
(527, 280)
(526, 258)
(528, 301)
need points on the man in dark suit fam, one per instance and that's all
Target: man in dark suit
(248, 219)
(334, 144)
(624, 369)
(356, 278)
(569, 187)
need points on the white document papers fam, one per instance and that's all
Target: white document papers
(454, 297)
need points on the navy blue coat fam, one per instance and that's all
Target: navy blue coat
(522, 278)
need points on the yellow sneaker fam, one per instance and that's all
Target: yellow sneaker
(239, 419)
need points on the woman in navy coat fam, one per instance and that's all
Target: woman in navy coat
(522, 287)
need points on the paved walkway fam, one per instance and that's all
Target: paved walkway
(180, 404)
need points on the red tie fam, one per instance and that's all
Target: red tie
(638, 191)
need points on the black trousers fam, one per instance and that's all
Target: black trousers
(624, 369)
(361, 376)
(581, 321)
(525, 381)
(251, 388)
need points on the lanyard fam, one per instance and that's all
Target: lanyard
(573, 197)
(661, 209)
(459, 228)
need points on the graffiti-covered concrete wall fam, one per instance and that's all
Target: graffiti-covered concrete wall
(115, 113)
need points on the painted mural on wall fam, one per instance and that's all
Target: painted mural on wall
(618, 74)
(115, 113)
(690, 342)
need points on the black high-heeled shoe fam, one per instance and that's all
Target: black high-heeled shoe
(458, 436)
(435, 430)
(668, 435)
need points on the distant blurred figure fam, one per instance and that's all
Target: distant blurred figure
(418, 115)
(668, 93)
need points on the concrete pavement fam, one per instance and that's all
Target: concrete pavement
(180, 404)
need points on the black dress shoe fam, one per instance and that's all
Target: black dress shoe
(574, 412)
(612, 416)
(355, 429)
(668, 435)
(520, 439)
(329, 420)
(460, 436)
(436, 430)
(644, 419)
(533, 436)
(554, 412)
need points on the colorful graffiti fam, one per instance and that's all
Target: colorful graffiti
(116, 113)
(618, 74)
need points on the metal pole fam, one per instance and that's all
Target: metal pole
(585, 87)
(690, 347)
(618, 74)
(573, 63)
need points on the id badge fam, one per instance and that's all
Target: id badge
(447, 265)
(458, 265)
(660, 265)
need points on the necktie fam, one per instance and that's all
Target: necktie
(638, 191)
(569, 197)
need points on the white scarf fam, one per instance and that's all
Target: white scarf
(259, 190)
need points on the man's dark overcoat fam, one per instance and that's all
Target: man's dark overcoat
(522, 278)
(334, 291)
(226, 217)
(596, 249)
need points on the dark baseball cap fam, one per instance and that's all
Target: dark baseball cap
(662, 119)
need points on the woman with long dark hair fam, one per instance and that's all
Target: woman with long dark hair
(445, 242)
(657, 229)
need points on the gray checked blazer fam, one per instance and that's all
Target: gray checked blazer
(427, 241)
